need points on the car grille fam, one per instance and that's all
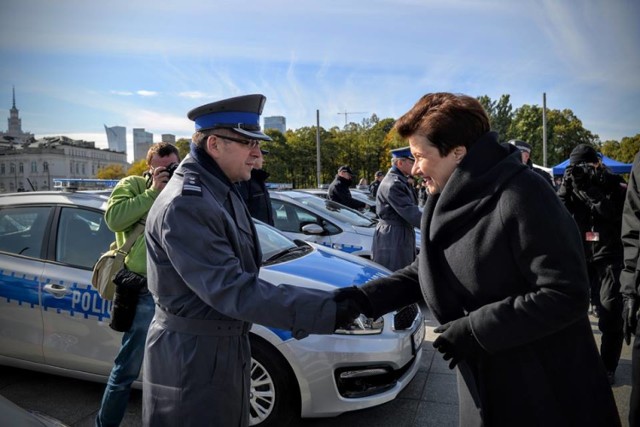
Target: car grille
(405, 317)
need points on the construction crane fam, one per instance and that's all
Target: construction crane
(346, 115)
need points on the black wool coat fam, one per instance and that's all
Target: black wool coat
(499, 247)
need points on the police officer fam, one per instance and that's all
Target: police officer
(373, 187)
(203, 263)
(525, 153)
(595, 198)
(255, 193)
(394, 241)
(339, 189)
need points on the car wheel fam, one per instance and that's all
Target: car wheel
(274, 396)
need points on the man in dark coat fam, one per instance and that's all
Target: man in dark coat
(501, 267)
(394, 241)
(595, 198)
(204, 258)
(339, 189)
(255, 193)
(373, 187)
(630, 283)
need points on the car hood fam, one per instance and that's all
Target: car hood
(323, 268)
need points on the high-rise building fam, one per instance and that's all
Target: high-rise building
(168, 137)
(142, 141)
(14, 132)
(276, 122)
(117, 138)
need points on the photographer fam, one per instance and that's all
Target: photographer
(133, 305)
(595, 197)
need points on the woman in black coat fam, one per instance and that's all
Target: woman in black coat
(502, 269)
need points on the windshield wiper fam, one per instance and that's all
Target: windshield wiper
(286, 252)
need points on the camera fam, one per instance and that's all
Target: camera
(582, 172)
(172, 168)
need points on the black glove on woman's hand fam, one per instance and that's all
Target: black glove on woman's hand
(350, 302)
(456, 341)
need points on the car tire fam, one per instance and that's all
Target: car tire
(274, 398)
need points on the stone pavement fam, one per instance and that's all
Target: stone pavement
(430, 400)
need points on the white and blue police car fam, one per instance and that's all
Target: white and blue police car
(52, 320)
(306, 216)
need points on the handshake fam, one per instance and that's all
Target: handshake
(350, 303)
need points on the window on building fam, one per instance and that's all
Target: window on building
(21, 167)
(83, 169)
(34, 167)
(1, 168)
(70, 167)
(12, 168)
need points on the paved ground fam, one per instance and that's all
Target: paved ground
(429, 401)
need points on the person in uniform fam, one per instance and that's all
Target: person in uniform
(394, 241)
(128, 204)
(339, 189)
(203, 263)
(373, 187)
(502, 269)
(525, 155)
(255, 193)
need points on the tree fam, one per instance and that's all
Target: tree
(623, 151)
(138, 168)
(111, 171)
(184, 146)
(500, 115)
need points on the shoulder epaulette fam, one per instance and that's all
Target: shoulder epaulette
(191, 185)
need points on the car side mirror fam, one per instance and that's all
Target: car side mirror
(312, 229)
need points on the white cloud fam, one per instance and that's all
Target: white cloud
(147, 93)
(194, 94)
(121, 92)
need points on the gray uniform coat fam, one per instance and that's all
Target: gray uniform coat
(203, 263)
(499, 247)
(394, 241)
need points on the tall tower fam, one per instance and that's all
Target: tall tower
(117, 138)
(14, 130)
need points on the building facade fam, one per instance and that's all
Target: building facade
(278, 123)
(117, 138)
(142, 141)
(169, 138)
(33, 166)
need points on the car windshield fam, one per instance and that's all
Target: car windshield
(275, 245)
(337, 211)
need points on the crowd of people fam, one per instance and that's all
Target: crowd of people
(508, 265)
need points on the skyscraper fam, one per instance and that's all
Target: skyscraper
(117, 138)
(14, 131)
(142, 140)
(276, 122)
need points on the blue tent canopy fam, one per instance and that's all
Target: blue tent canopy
(614, 165)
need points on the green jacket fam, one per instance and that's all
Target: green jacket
(129, 202)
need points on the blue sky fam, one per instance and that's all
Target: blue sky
(79, 64)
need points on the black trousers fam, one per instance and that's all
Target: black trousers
(605, 280)
(634, 401)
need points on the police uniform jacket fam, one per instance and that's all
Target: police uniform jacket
(630, 276)
(598, 208)
(394, 241)
(203, 263)
(498, 246)
(256, 196)
(339, 192)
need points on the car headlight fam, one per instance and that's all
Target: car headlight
(363, 325)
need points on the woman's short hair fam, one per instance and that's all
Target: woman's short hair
(447, 120)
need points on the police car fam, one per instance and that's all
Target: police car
(52, 320)
(369, 211)
(301, 215)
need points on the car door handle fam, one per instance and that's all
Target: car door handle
(58, 291)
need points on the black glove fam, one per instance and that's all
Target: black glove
(456, 341)
(350, 302)
(629, 317)
(567, 179)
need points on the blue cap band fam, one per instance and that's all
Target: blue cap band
(231, 118)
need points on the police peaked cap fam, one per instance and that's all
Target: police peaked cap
(521, 145)
(402, 153)
(240, 114)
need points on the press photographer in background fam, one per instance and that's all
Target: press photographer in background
(133, 305)
(595, 197)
